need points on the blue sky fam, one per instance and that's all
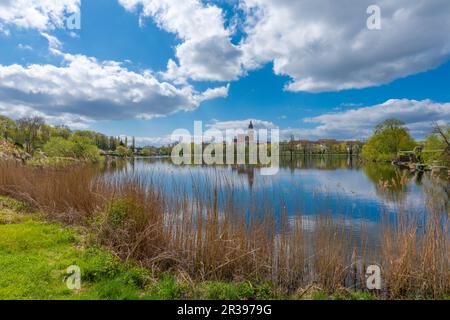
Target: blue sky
(147, 67)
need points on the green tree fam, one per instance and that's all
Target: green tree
(148, 151)
(437, 145)
(61, 131)
(389, 138)
(28, 132)
(84, 148)
(7, 127)
(113, 143)
(123, 151)
(59, 147)
(75, 147)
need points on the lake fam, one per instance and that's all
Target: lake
(305, 187)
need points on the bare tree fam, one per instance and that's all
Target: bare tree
(29, 128)
(390, 123)
(440, 131)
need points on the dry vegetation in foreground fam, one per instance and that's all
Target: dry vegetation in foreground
(214, 238)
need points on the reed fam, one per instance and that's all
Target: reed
(215, 236)
(415, 256)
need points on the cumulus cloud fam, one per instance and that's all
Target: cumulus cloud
(206, 51)
(37, 14)
(83, 89)
(325, 45)
(360, 123)
(89, 90)
(53, 43)
(213, 93)
(322, 45)
(17, 111)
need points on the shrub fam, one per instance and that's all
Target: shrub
(123, 151)
(59, 147)
(75, 147)
(84, 149)
(118, 211)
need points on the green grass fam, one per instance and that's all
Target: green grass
(34, 257)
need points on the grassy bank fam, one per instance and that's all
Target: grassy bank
(35, 254)
(210, 242)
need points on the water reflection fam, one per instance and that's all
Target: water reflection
(309, 185)
(357, 196)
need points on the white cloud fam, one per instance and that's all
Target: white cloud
(37, 14)
(88, 90)
(83, 89)
(206, 51)
(53, 43)
(212, 93)
(325, 45)
(24, 47)
(3, 31)
(17, 111)
(360, 123)
(322, 45)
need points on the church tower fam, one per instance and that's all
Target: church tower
(250, 133)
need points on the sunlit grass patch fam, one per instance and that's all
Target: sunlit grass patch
(34, 257)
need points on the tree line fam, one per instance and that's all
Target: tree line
(391, 137)
(33, 135)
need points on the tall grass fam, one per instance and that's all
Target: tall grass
(416, 256)
(212, 236)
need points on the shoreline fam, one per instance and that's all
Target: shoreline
(103, 276)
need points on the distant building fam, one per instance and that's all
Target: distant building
(247, 138)
(321, 146)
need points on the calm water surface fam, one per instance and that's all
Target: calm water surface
(337, 186)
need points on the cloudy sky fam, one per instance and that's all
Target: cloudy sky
(148, 67)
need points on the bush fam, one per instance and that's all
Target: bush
(119, 211)
(75, 147)
(123, 151)
(59, 147)
(84, 149)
